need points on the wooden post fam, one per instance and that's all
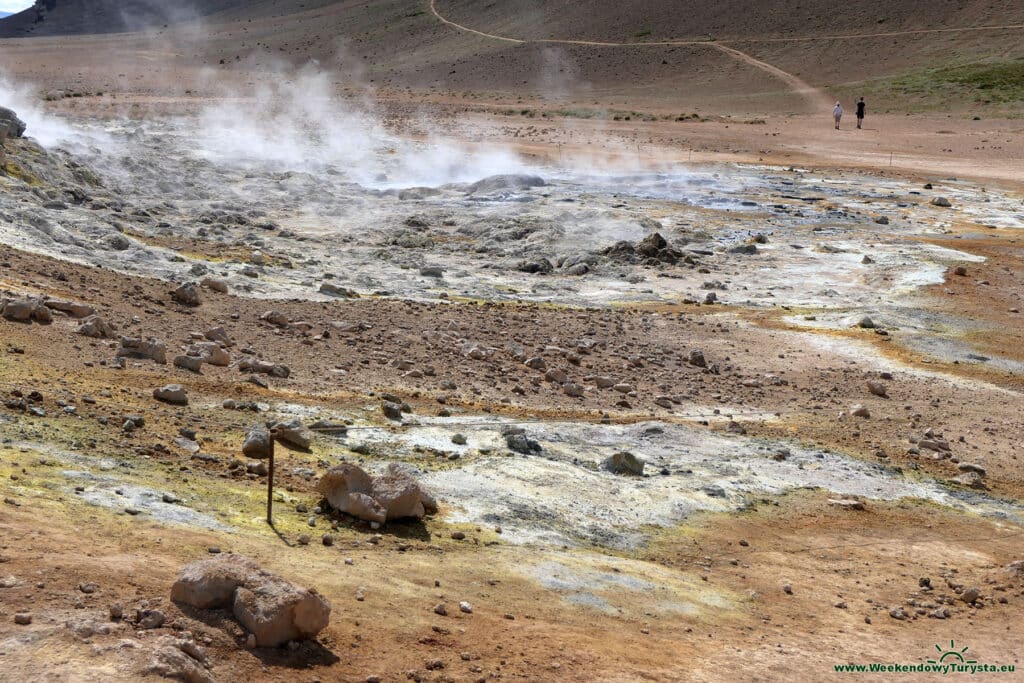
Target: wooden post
(270, 479)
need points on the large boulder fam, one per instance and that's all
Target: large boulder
(277, 611)
(209, 584)
(270, 607)
(392, 495)
(14, 126)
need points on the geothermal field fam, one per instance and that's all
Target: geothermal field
(544, 379)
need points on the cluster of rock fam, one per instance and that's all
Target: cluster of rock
(273, 609)
(389, 496)
(25, 310)
(652, 250)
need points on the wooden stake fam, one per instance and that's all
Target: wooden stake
(270, 480)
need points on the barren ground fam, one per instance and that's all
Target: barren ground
(727, 560)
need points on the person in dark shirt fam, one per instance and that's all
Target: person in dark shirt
(860, 112)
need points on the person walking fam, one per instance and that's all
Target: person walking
(860, 112)
(837, 113)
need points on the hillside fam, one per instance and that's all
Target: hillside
(912, 54)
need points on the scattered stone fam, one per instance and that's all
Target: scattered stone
(293, 434)
(970, 595)
(257, 442)
(25, 310)
(192, 363)
(210, 352)
(332, 289)
(520, 443)
(187, 294)
(697, 359)
(878, 389)
(172, 660)
(465, 607)
(132, 347)
(174, 394)
(441, 609)
(392, 411)
(215, 285)
(859, 410)
(150, 619)
(74, 309)
(941, 201)
(624, 463)
(250, 364)
(96, 327)
(846, 503)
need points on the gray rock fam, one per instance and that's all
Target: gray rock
(220, 335)
(132, 347)
(505, 183)
(392, 411)
(174, 394)
(624, 463)
(941, 201)
(210, 352)
(73, 309)
(257, 442)
(520, 443)
(9, 121)
(187, 294)
(193, 363)
(256, 365)
(215, 285)
(25, 310)
(97, 328)
(332, 289)
(293, 434)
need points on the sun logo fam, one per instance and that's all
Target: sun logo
(952, 653)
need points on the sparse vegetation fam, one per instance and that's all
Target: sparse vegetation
(949, 86)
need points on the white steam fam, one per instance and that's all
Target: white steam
(46, 129)
(298, 122)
